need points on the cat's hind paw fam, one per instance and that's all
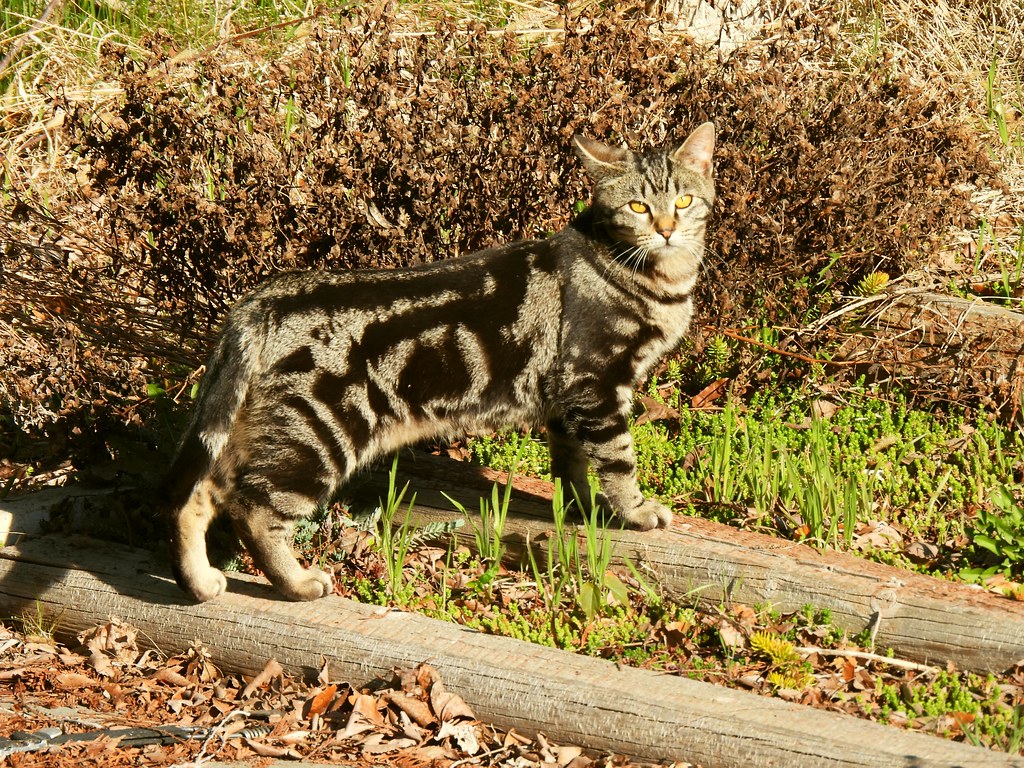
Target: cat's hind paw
(650, 514)
(206, 584)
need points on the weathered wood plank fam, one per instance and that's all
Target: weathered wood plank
(951, 346)
(919, 617)
(570, 698)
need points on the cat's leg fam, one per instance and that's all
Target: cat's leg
(608, 443)
(264, 514)
(568, 462)
(191, 564)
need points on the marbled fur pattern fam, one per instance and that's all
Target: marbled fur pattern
(315, 374)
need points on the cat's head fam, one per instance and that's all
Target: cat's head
(653, 205)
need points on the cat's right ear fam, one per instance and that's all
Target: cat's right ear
(600, 159)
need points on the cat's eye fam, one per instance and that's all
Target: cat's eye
(683, 202)
(637, 207)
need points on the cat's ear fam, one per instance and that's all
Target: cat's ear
(600, 159)
(696, 151)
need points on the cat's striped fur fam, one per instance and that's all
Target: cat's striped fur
(317, 373)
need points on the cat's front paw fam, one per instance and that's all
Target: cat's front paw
(312, 584)
(650, 514)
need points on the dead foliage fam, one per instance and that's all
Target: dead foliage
(366, 144)
(104, 701)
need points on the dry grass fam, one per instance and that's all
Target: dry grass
(973, 50)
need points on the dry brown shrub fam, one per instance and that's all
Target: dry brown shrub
(367, 145)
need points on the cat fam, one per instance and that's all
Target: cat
(317, 373)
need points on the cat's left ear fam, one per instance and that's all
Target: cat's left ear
(600, 159)
(696, 152)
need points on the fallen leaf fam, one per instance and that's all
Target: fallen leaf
(449, 706)
(72, 680)
(707, 396)
(364, 717)
(731, 636)
(390, 745)
(465, 735)
(823, 409)
(922, 552)
(432, 753)
(877, 534)
(270, 750)
(170, 676)
(319, 703)
(415, 708)
(655, 411)
(565, 755)
(270, 670)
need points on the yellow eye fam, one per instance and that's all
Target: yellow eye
(637, 207)
(683, 202)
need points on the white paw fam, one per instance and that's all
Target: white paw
(312, 584)
(207, 584)
(650, 514)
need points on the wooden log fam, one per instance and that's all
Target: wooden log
(919, 617)
(572, 699)
(947, 346)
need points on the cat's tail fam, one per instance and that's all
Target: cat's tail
(222, 392)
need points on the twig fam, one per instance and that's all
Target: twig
(757, 343)
(479, 756)
(867, 656)
(193, 55)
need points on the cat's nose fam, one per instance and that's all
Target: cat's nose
(664, 227)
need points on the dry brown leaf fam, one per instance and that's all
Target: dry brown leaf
(324, 678)
(707, 396)
(923, 552)
(364, 717)
(270, 670)
(170, 676)
(823, 409)
(655, 411)
(731, 636)
(116, 638)
(73, 680)
(565, 755)
(449, 706)
(415, 708)
(272, 750)
(877, 534)
(383, 746)
(102, 664)
(319, 703)
(425, 676)
(465, 735)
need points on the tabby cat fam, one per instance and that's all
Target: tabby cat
(315, 374)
